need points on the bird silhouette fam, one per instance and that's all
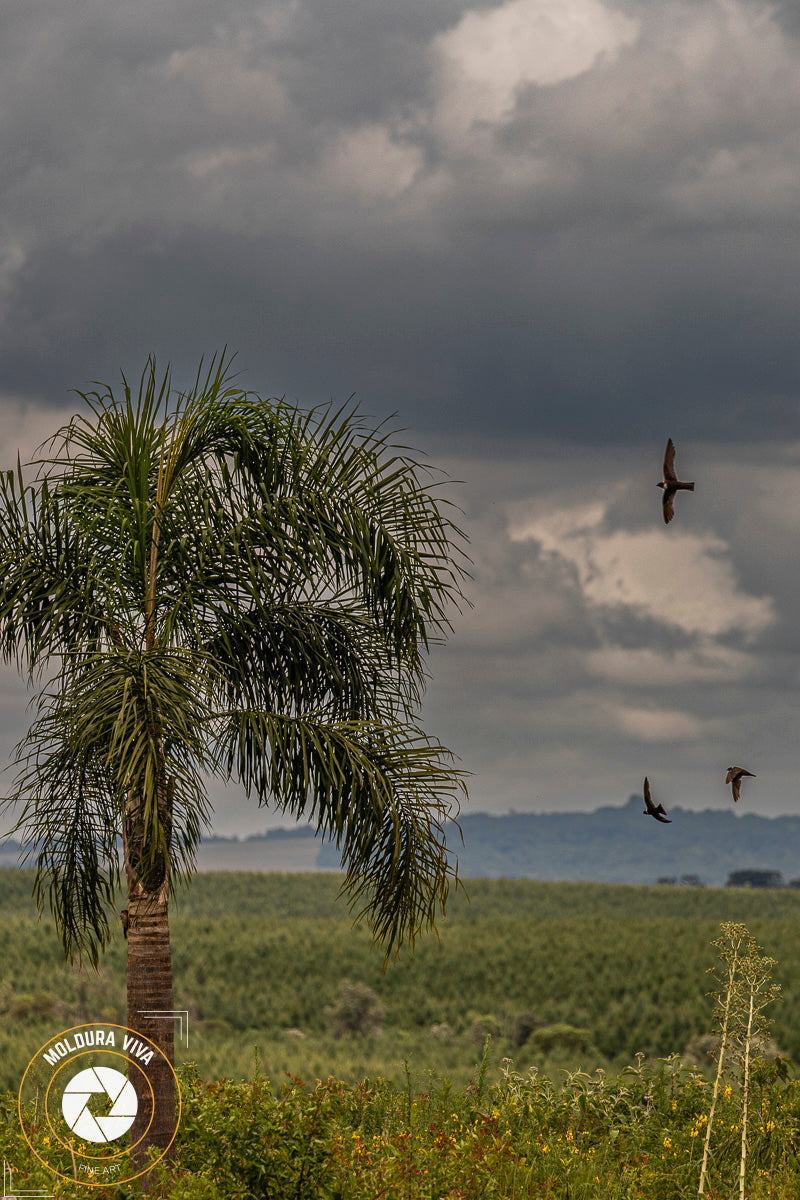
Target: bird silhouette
(734, 778)
(654, 810)
(671, 484)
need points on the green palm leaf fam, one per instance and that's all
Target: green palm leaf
(217, 584)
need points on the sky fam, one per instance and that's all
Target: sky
(547, 235)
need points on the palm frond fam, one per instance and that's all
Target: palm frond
(126, 722)
(381, 792)
(68, 830)
(217, 582)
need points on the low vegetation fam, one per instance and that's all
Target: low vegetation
(636, 1136)
(558, 1041)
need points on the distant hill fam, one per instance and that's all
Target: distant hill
(618, 845)
(609, 845)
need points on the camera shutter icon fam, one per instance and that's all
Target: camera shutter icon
(118, 1119)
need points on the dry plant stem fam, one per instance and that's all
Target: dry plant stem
(726, 1016)
(756, 970)
(746, 1080)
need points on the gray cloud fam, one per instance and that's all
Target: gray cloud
(605, 646)
(398, 204)
(547, 236)
(586, 661)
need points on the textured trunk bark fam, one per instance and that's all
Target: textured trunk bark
(150, 991)
(150, 1001)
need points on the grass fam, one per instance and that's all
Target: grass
(276, 1105)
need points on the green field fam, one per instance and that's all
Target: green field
(265, 960)
(354, 1084)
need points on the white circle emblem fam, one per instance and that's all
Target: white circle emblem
(119, 1117)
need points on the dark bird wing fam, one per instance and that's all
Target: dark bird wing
(669, 462)
(737, 773)
(666, 504)
(654, 810)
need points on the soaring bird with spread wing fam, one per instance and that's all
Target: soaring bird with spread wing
(670, 483)
(734, 778)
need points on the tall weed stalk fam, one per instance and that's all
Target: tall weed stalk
(743, 992)
(757, 993)
(729, 946)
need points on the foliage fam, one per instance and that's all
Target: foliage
(524, 1026)
(357, 1011)
(213, 583)
(561, 1038)
(252, 964)
(637, 1134)
(634, 1137)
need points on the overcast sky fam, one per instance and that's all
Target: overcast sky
(548, 234)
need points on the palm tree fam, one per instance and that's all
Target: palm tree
(216, 584)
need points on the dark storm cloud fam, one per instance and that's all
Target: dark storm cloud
(547, 235)
(358, 199)
(441, 341)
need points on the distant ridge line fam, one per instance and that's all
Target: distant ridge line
(607, 845)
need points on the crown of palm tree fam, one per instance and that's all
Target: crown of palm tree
(214, 584)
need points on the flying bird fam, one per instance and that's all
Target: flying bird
(734, 778)
(654, 810)
(671, 484)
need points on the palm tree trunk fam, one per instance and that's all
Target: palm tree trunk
(149, 993)
(149, 986)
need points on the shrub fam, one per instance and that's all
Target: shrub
(483, 1026)
(702, 1049)
(242, 1141)
(357, 1011)
(561, 1039)
(37, 1007)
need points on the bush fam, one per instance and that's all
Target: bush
(561, 1039)
(237, 1139)
(637, 1135)
(357, 1011)
(483, 1026)
(703, 1049)
(37, 1007)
